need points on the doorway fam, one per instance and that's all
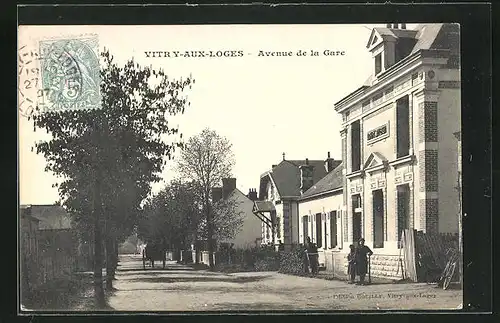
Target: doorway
(356, 227)
(378, 218)
(403, 210)
(356, 218)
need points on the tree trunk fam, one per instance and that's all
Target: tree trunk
(116, 257)
(109, 261)
(98, 257)
(210, 234)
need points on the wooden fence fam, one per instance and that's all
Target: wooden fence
(418, 245)
(54, 259)
(435, 246)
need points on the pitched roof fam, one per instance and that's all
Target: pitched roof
(333, 180)
(51, 216)
(428, 36)
(389, 33)
(286, 175)
(238, 191)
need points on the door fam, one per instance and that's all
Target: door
(378, 218)
(403, 209)
(319, 233)
(356, 227)
(356, 218)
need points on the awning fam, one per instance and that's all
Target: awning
(260, 208)
(263, 206)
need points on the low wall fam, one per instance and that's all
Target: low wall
(382, 266)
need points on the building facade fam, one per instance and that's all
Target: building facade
(249, 235)
(398, 143)
(320, 210)
(279, 194)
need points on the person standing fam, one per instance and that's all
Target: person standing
(362, 261)
(351, 267)
(306, 255)
(312, 252)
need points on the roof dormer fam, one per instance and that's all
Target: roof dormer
(389, 45)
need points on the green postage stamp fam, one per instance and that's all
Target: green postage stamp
(70, 74)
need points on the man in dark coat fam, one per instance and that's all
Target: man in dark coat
(361, 260)
(312, 251)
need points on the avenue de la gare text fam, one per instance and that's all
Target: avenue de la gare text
(241, 53)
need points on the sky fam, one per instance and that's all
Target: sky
(264, 105)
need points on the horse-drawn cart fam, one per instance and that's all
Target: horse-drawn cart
(152, 253)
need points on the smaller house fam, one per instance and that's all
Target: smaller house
(58, 242)
(29, 230)
(320, 209)
(250, 230)
(249, 234)
(280, 190)
(55, 227)
(29, 238)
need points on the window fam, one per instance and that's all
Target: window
(325, 235)
(305, 226)
(356, 218)
(403, 126)
(356, 201)
(333, 229)
(355, 146)
(319, 231)
(378, 63)
(278, 227)
(403, 204)
(378, 218)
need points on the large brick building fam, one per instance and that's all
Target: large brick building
(398, 144)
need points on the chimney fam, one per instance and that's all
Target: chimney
(252, 194)
(228, 185)
(216, 193)
(306, 176)
(388, 25)
(403, 26)
(283, 156)
(394, 26)
(329, 163)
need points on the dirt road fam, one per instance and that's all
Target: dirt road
(180, 288)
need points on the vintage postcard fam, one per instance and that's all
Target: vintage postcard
(203, 168)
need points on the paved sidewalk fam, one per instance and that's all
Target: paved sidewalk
(181, 288)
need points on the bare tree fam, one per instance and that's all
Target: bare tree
(206, 159)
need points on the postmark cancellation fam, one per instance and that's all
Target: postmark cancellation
(65, 75)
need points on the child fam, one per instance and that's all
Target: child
(351, 268)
